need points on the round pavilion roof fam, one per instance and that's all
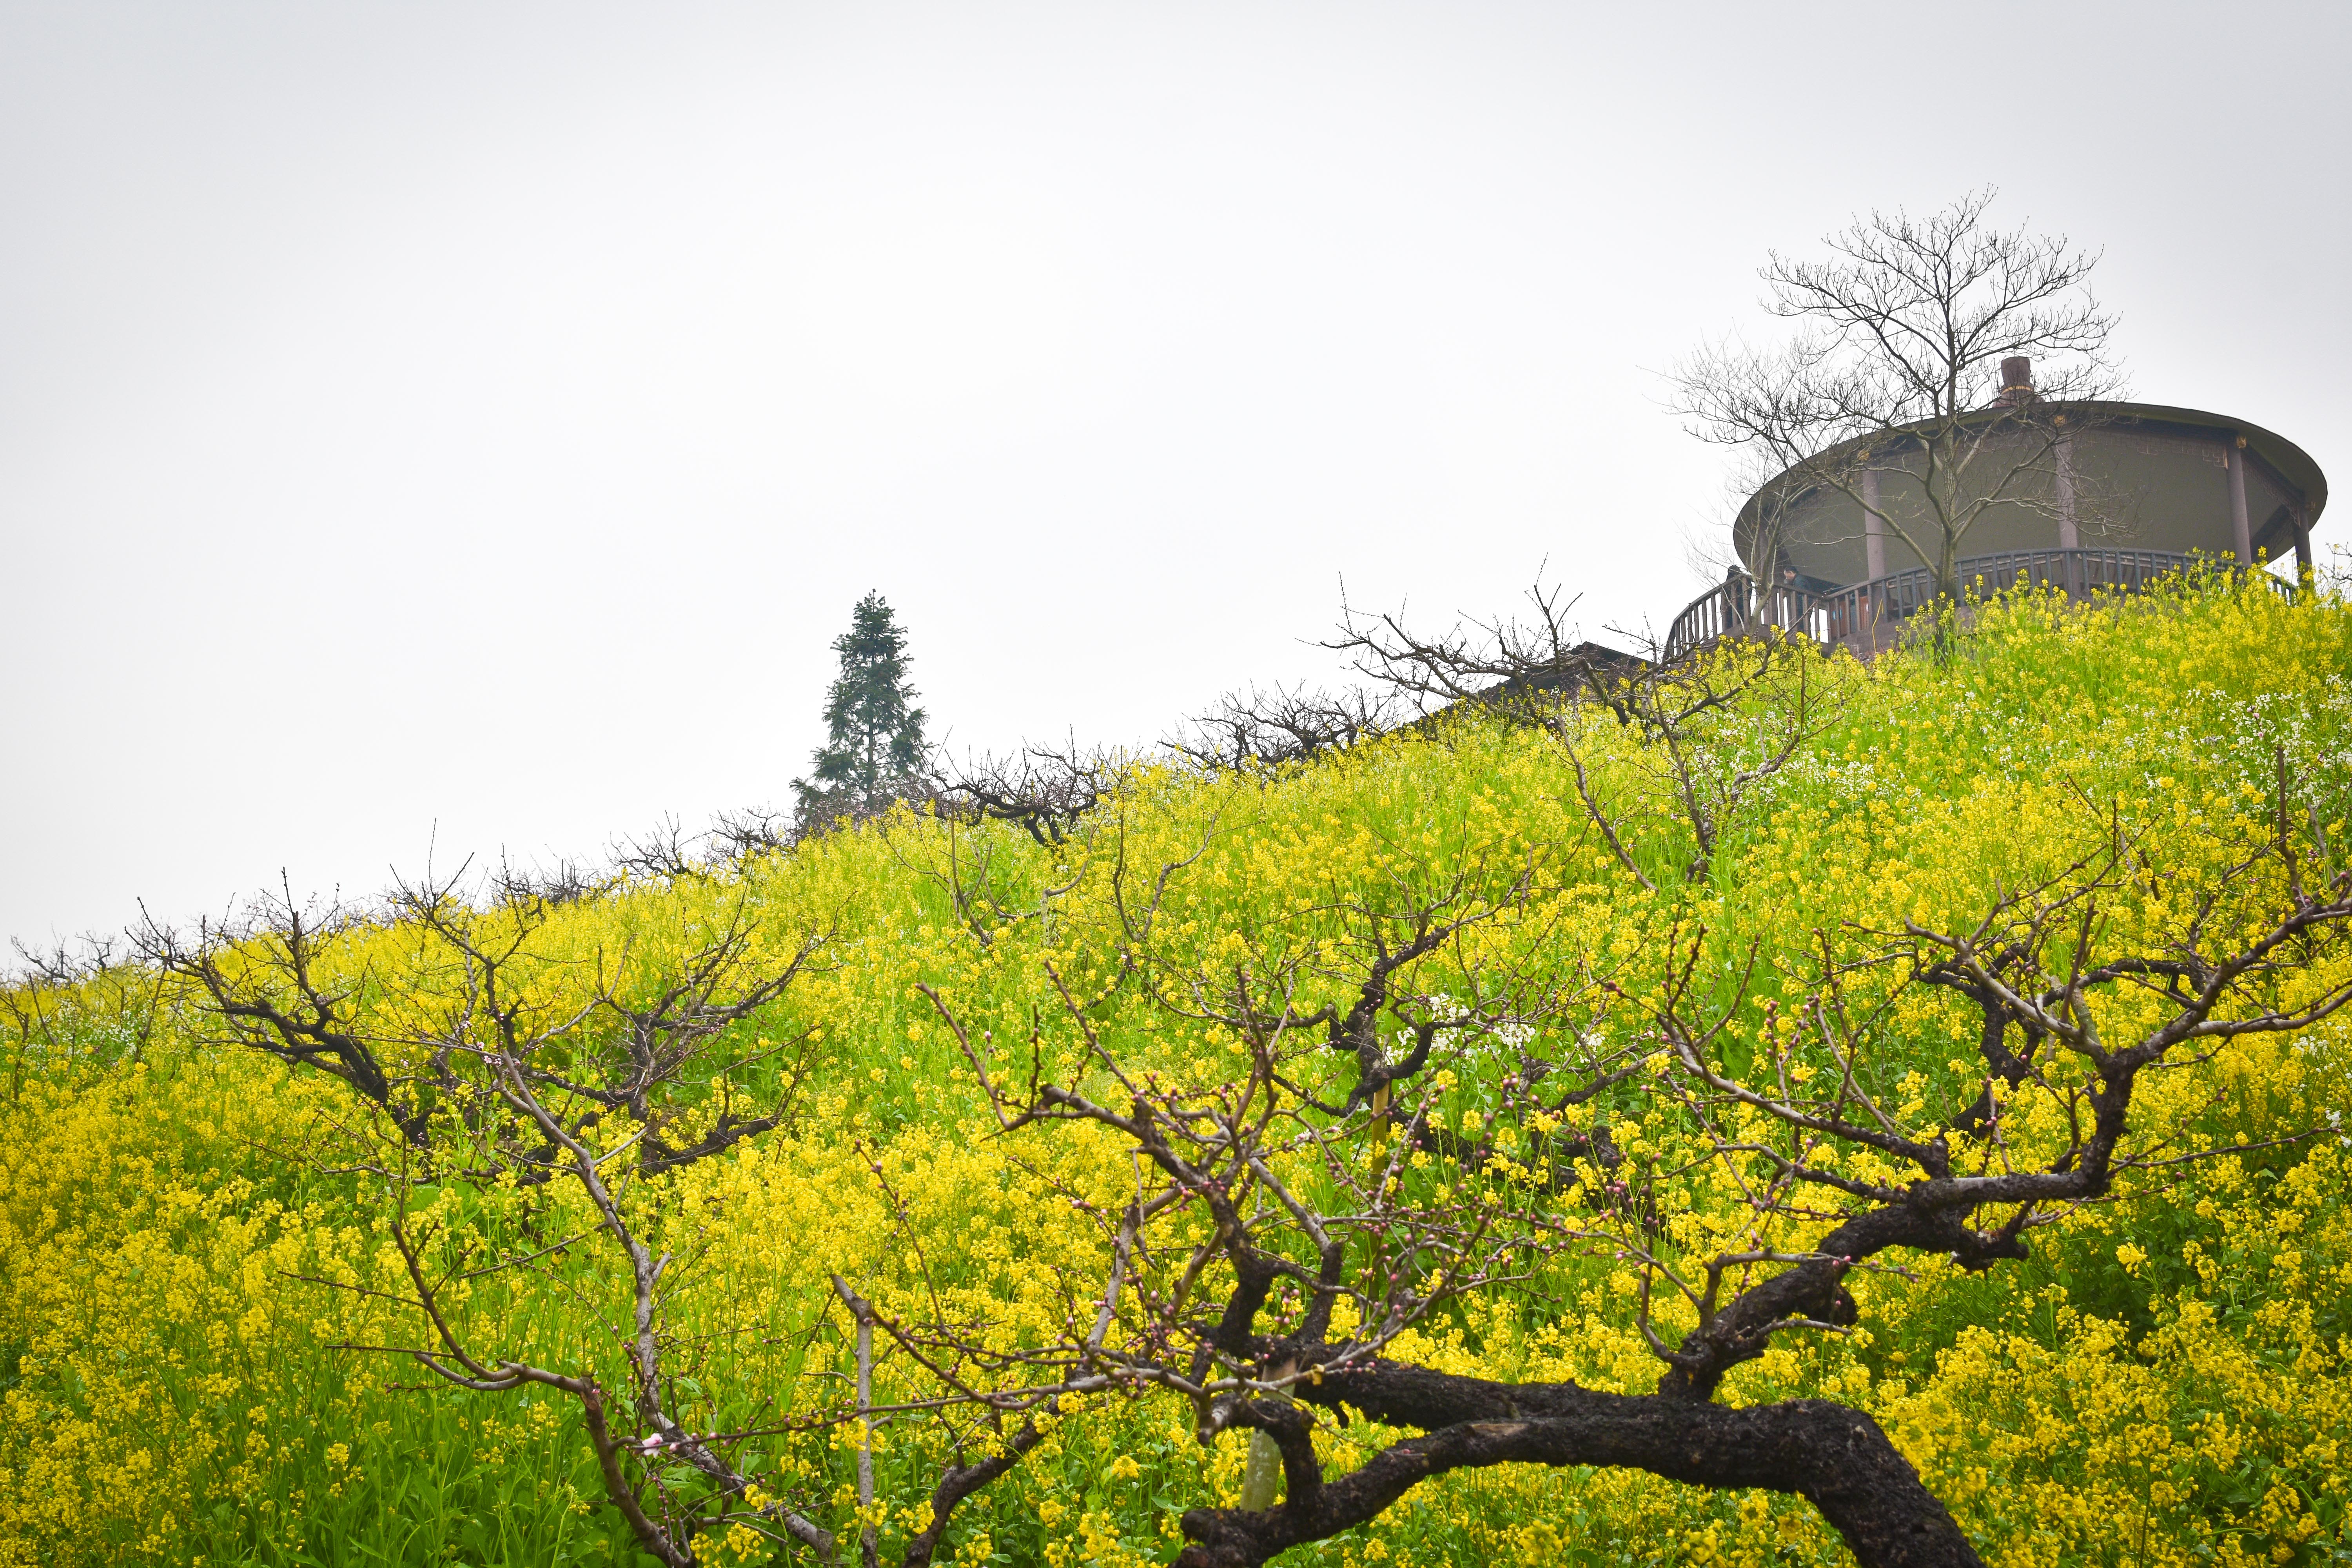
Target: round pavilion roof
(2291, 462)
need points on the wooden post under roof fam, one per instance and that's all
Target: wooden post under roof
(1874, 530)
(2068, 537)
(2240, 530)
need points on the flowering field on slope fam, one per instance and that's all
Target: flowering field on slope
(202, 1302)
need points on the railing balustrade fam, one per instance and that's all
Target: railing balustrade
(1860, 614)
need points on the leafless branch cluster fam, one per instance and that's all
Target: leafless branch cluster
(495, 1064)
(670, 852)
(1256, 729)
(739, 834)
(1043, 790)
(1937, 304)
(646, 1052)
(674, 1482)
(569, 880)
(262, 977)
(1532, 664)
(616, 1044)
(1895, 370)
(1907, 320)
(1715, 734)
(2033, 966)
(671, 1483)
(66, 1000)
(1218, 1236)
(1712, 733)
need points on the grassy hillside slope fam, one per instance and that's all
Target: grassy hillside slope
(188, 1246)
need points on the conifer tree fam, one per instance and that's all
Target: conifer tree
(874, 731)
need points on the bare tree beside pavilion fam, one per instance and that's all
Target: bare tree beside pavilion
(1910, 386)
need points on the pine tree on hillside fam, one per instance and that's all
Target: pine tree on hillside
(874, 732)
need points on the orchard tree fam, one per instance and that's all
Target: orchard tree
(874, 732)
(1728, 1130)
(538, 1080)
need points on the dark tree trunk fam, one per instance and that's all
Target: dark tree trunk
(1835, 1457)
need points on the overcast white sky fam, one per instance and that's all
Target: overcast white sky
(475, 421)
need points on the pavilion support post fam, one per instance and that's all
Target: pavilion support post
(2303, 563)
(2240, 530)
(1874, 529)
(1874, 560)
(2070, 537)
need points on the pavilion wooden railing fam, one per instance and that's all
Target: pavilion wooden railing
(1864, 613)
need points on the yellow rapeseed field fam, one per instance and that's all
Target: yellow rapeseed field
(202, 1302)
